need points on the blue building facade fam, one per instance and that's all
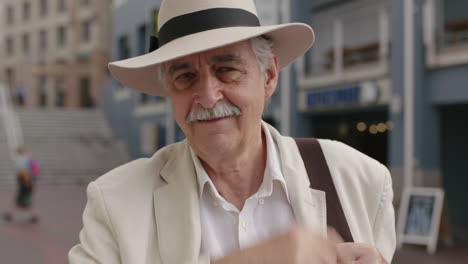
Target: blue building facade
(138, 119)
(351, 86)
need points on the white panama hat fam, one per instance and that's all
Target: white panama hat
(191, 26)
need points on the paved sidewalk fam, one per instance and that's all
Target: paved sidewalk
(60, 209)
(48, 242)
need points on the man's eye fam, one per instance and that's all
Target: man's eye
(225, 69)
(229, 74)
(184, 80)
(185, 76)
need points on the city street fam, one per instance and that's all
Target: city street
(60, 209)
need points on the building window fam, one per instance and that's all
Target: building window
(61, 6)
(10, 15)
(86, 100)
(142, 39)
(86, 31)
(43, 8)
(124, 48)
(61, 36)
(83, 58)
(25, 43)
(42, 40)
(42, 95)
(26, 11)
(60, 92)
(10, 77)
(144, 98)
(455, 19)
(149, 99)
(9, 46)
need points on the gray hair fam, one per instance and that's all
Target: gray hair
(262, 46)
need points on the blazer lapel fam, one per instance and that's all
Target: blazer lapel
(177, 210)
(308, 204)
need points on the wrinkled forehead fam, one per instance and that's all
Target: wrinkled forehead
(238, 52)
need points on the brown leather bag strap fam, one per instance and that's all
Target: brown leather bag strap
(320, 179)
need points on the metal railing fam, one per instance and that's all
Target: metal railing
(11, 124)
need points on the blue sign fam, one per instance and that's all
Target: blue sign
(344, 96)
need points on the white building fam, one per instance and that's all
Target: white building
(55, 52)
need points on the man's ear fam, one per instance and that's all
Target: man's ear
(271, 77)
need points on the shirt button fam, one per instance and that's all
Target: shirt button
(216, 204)
(261, 201)
(244, 224)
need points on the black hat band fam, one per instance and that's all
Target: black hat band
(204, 20)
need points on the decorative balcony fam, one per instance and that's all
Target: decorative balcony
(352, 45)
(354, 56)
(456, 32)
(446, 32)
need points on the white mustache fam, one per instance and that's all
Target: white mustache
(219, 110)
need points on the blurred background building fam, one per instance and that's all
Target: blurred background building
(389, 81)
(353, 86)
(53, 67)
(141, 120)
(55, 52)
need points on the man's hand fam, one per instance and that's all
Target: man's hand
(358, 253)
(301, 246)
(298, 246)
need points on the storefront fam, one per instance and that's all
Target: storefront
(454, 147)
(355, 114)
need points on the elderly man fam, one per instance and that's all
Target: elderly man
(235, 191)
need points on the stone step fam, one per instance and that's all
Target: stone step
(72, 146)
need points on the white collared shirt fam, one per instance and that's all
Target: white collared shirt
(266, 213)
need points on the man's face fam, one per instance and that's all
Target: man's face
(225, 76)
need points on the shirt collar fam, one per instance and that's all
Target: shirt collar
(202, 176)
(273, 171)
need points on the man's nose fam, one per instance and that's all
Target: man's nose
(209, 91)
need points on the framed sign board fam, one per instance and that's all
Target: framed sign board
(419, 217)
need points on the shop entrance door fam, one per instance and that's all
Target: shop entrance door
(364, 131)
(455, 168)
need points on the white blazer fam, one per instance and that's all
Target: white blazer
(147, 211)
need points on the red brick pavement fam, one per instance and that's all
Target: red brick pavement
(48, 242)
(60, 209)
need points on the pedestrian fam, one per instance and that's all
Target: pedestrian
(235, 190)
(25, 186)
